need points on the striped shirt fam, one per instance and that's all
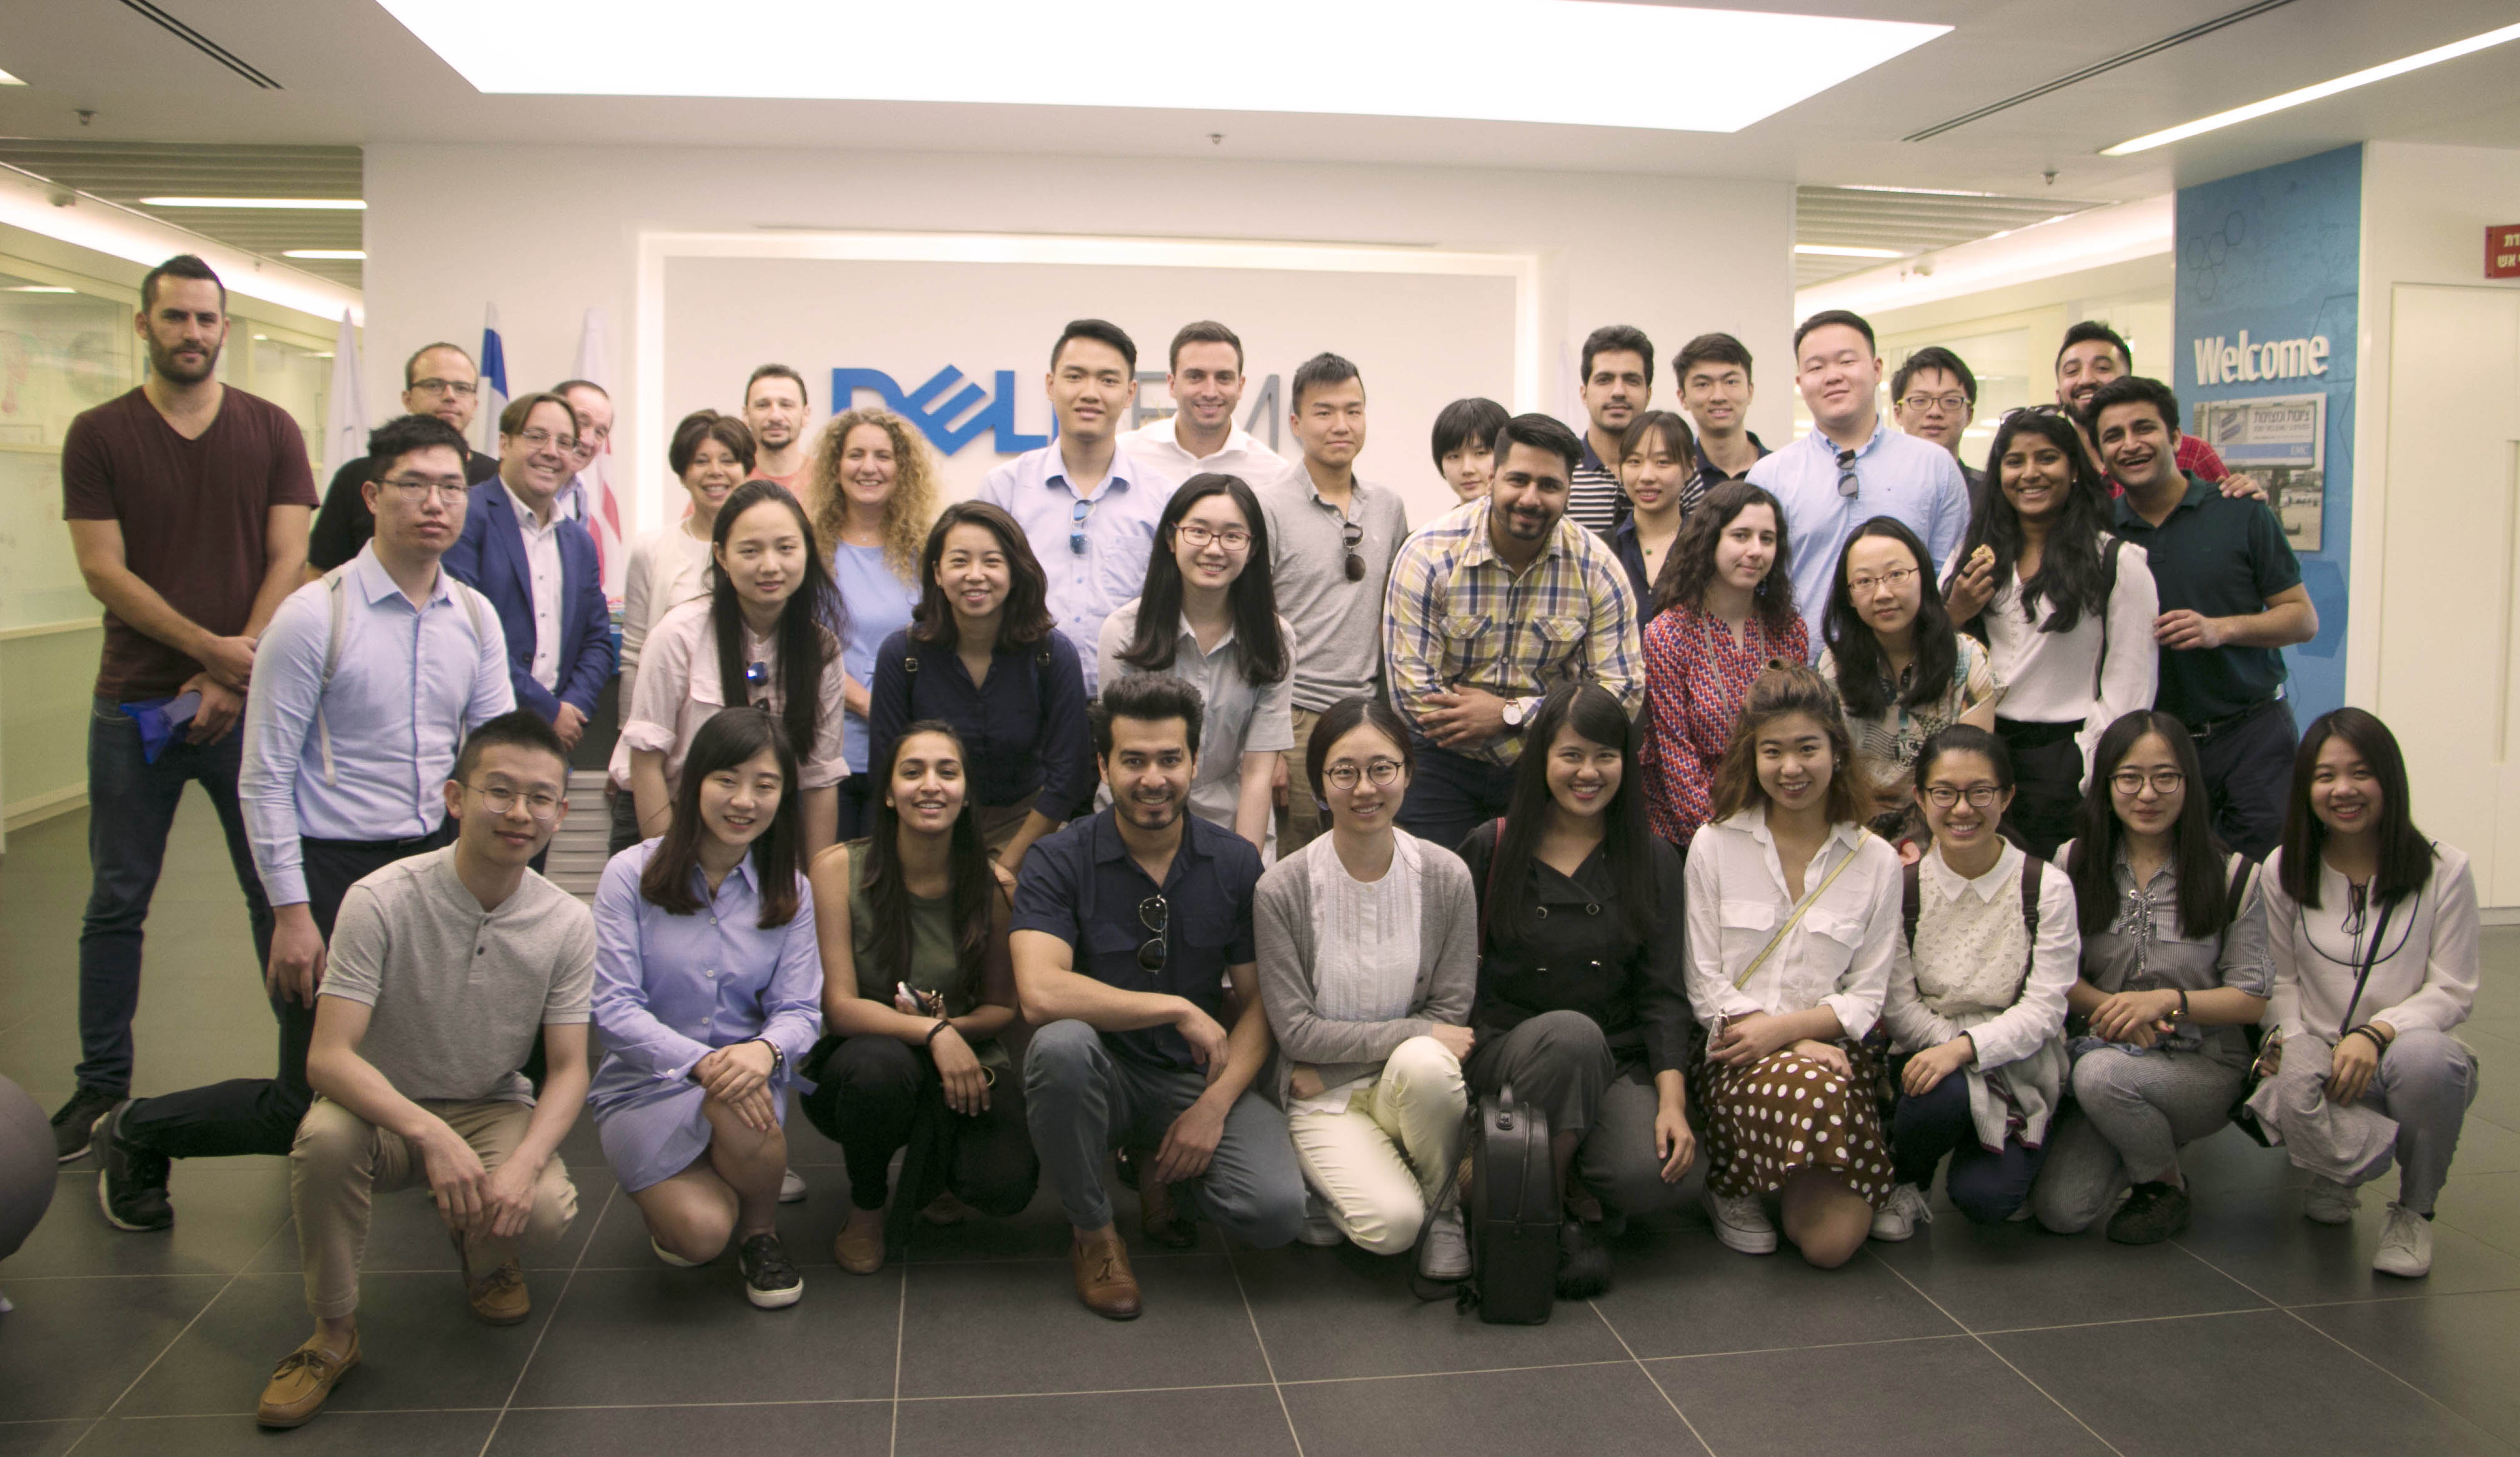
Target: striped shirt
(1454, 613)
(1595, 499)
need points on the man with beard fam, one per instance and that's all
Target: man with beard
(1127, 925)
(1618, 384)
(437, 380)
(188, 503)
(773, 410)
(1206, 380)
(2092, 356)
(1490, 605)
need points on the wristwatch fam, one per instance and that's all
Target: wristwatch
(1516, 710)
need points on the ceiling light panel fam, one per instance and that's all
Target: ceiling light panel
(1468, 59)
(313, 205)
(2307, 94)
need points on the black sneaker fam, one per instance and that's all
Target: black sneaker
(769, 1280)
(2152, 1213)
(1582, 1260)
(132, 1187)
(74, 1125)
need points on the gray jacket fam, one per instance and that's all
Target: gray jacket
(1286, 930)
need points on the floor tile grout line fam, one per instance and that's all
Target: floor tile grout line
(1653, 1379)
(1778, 1350)
(1204, 1385)
(1339, 1380)
(900, 1340)
(2130, 1320)
(1266, 1364)
(549, 1321)
(1989, 1348)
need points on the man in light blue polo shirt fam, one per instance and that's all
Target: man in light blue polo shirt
(1087, 508)
(1853, 467)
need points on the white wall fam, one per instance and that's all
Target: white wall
(1673, 257)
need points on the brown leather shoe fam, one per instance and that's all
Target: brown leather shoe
(301, 1381)
(1103, 1281)
(1158, 1218)
(859, 1247)
(498, 1299)
(945, 1210)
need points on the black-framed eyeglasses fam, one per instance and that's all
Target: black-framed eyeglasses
(1949, 404)
(1979, 796)
(1076, 516)
(1847, 483)
(1154, 915)
(1197, 536)
(2045, 409)
(2131, 781)
(1384, 773)
(1352, 535)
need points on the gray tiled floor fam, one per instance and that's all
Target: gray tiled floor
(2254, 1333)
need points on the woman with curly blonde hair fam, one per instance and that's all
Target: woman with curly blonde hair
(874, 486)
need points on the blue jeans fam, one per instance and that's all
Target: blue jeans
(131, 806)
(1985, 1187)
(1452, 793)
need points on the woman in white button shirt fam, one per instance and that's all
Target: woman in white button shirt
(2065, 610)
(1793, 917)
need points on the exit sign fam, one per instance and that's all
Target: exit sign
(2502, 250)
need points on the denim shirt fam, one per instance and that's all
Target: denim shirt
(2144, 948)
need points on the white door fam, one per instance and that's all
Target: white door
(2449, 645)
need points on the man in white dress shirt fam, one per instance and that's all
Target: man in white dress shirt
(1205, 378)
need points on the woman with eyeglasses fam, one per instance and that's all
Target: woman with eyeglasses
(706, 981)
(980, 654)
(1658, 470)
(1976, 1007)
(875, 485)
(1369, 957)
(767, 636)
(916, 989)
(1582, 1005)
(2373, 932)
(2065, 609)
(1902, 670)
(2174, 969)
(711, 454)
(1726, 602)
(1209, 616)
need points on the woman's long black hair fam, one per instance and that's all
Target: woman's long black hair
(1857, 652)
(2405, 856)
(1627, 849)
(730, 738)
(2070, 563)
(2205, 905)
(1252, 599)
(967, 864)
(810, 627)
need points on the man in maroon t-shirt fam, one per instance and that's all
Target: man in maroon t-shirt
(188, 504)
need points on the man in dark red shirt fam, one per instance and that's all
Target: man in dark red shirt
(188, 506)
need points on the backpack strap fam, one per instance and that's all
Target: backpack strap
(1911, 898)
(338, 618)
(1489, 897)
(2032, 870)
(2108, 585)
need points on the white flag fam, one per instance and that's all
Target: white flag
(345, 407)
(602, 502)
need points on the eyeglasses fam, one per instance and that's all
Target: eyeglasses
(1979, 796)
(422, 490)
(1196, 535)
(1949, 404)
(1076, 516)
(2131, 781)
(1383, 772)
(498, 798)
(1847, 483)
(1352, 535)
(2048, 409)
(537, 438)
(460, 388)
(1154, 915)
(1895, 578)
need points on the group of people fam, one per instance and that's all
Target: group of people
(1175, 801)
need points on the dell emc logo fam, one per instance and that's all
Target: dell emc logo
(950, 422)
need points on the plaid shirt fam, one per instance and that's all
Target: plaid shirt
(1454, 613)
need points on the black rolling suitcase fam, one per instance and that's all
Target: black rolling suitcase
(1513, 1215)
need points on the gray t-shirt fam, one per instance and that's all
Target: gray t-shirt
(1338, 622)
(459, 995)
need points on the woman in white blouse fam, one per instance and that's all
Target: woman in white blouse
(2373, 929)
(1793, 918)
(1976, 1009)
(2066, 611)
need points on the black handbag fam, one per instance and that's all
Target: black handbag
(1514, 1215)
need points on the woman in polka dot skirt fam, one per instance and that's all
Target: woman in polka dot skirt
(1793, 919)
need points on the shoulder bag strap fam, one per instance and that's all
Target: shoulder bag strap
(1494, 847)
(1796, 918)
(2371, 957)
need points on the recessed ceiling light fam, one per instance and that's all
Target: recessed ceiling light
(7, 80)
(1921, 192)
(338, 254)
(1394, 57)
(37, 288)
(2307, 94)
(318, 204)
(1833, 250)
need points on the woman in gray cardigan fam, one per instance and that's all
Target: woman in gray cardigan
(1369, 958)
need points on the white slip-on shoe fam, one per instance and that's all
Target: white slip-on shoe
(1898, 1218)
(1742, 1222)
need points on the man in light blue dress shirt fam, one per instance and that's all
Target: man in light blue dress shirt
(1853, 467)
(1087, 508)
(365, 685)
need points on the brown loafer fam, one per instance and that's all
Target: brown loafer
(301, 1381)
(945, 1210)
(1158, 1218)
(1103, 1280)
(859, 1247)
(498, 1299)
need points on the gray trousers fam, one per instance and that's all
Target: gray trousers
(1082, 1103)
(1559, 1063)
(2425, 1082)
(2130, 1111)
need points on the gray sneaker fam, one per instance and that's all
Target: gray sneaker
(2327, 1202)
(2152, 1213)
(1444, 1246)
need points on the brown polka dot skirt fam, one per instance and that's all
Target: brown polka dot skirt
(1788, 1114)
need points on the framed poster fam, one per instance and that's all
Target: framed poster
(2281, 440)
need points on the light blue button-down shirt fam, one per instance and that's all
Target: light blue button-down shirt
(1119, 532)
(408, 684)
(1902, 477)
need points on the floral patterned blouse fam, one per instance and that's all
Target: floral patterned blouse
(1695, 678)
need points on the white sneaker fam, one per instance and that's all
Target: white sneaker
(2405, 1245)
(670, 1257)
(1444, 1246)
(1742, 1222)
(1897, 1219)
(792, 1189)
(1318, 1231)
(2328, 1202)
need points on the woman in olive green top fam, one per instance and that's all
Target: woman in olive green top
(917, 986)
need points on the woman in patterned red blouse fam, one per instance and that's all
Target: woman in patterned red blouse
(1726, 602)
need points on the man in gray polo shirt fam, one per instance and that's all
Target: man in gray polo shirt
(444, 968)
(1330, 542)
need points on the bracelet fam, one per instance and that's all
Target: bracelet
(778, 1059)
(941, 1026)
(2182, 999)
(2365, 1031)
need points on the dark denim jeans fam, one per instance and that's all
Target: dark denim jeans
(1452, 794)
(131, 806)
(2248, 779)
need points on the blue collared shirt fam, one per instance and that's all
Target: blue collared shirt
(408, 684)
(1901, 477)
(1118, 534)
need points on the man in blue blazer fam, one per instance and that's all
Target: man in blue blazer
(538, 568)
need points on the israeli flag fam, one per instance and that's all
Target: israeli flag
(494, 383)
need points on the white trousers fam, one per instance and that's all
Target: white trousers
(1380, 1151)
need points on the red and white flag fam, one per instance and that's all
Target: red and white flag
(602, 501)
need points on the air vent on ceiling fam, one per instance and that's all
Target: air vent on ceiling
(201, 43)
(2123, 57)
